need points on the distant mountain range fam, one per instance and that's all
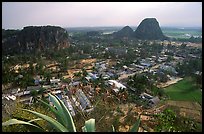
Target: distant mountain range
(117, 28)
(33, 39)
(148, 29)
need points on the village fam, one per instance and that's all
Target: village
(90, 77)
(101, 67)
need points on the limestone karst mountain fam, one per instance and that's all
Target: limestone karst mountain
(124, 32)
(34, 38)
(149, 29)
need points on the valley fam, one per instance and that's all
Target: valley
(113, 78)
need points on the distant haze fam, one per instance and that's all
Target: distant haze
(16, 15)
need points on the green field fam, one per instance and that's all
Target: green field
(184, 90)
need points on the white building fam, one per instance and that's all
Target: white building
(54, 81)
(117, 85)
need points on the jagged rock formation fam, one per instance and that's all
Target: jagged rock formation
(149, 29)
(124, 32)
(34, 39)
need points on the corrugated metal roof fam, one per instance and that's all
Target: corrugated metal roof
(117, 84)
(83, 99)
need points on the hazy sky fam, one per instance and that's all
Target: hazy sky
(16, 15)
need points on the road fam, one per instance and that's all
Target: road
(125, 76)
(168, 83)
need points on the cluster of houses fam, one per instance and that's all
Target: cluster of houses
(75, 95)
(117, 84)
(73, 100)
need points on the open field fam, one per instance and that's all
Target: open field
(188, 109)
(184, 90)
(182, 32)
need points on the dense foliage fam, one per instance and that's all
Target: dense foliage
(139, 82)
(169, 121)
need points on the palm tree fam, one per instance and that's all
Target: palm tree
(84, 72)
(79, 74)
(41, 91)
(47, 75)
(34, 94)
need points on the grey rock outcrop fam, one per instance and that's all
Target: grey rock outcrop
(124, 32)
(149, 29)
(35, 38)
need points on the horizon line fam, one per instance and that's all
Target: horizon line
(100, 26)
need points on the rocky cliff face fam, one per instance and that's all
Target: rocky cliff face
(149, 29)
(33, 38)
(124, 32)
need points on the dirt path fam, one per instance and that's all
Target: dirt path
(168, 83)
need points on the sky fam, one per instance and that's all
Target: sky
(16, 15)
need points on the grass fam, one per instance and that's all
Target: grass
(184, 90)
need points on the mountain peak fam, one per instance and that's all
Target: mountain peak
(124, 32)
(35, 38)
(149, 29)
